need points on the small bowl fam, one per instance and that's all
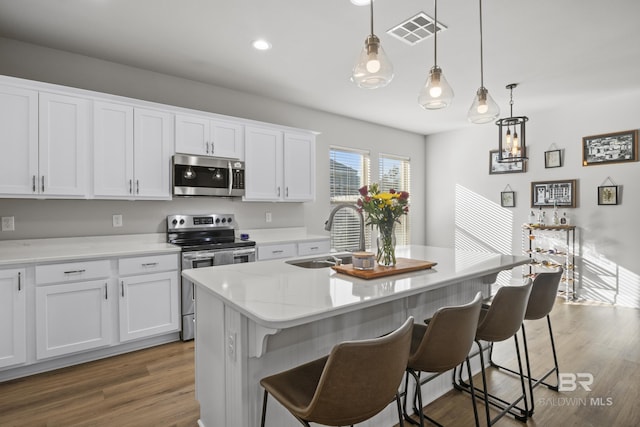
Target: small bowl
(363, 260)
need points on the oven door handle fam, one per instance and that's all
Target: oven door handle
(230, 177)
(243, 251)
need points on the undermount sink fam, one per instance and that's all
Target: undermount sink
(320, 262)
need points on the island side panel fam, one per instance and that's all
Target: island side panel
(210, 359)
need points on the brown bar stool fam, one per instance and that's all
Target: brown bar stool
(543, 296)
(499, 322)
(355, 382)
(441, 346)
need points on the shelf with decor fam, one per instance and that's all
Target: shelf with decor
(551, 247)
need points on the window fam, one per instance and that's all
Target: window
(348, 171)
(395, 174)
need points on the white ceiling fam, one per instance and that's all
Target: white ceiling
(559, 51)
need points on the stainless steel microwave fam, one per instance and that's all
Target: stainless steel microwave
(207, 176)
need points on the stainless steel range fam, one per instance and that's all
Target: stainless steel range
(206, 240)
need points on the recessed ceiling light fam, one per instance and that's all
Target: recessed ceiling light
(360, 2)
(261, 44)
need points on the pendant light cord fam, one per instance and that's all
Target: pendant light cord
(371, 5)
(481, 55)
(435, 35)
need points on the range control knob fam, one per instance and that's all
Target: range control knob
(217, 220)
(224, 220)
(182, 221)
(229, 220)
(174, 222)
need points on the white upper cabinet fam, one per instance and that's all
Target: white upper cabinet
(43, 141)
(153, 148)
(280, 166)
(18, 140)
(263, 164)
(63, 142)
(132, 152)
(203, 136)
(112, 150)
(299, 167)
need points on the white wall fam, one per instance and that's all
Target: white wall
(61, 218)
(459, 188)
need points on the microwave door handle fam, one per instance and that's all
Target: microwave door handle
(230, 177)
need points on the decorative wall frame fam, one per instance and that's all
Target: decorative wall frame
(546, 193)
(553, 159)
(508, 199)
(615, 147)
(496, 167)
(608, 195)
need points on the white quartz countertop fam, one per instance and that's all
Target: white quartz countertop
(73, 248)
(270, 236)
(278, 295)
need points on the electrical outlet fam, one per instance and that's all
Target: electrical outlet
(117, 220)
(267, 217)
(8, 223)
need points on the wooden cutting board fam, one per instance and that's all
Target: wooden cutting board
(403, 265)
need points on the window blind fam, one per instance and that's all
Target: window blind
(395, 173)
(348, 171)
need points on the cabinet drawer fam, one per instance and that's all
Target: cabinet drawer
(315, 247)
(286, 250)
(147, 264)
(72, 271)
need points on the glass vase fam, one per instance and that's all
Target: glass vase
(386, 241)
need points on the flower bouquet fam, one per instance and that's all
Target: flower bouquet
(383, 209)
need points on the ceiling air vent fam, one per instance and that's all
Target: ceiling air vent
(415, 29)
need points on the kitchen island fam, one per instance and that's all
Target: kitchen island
(256, 319)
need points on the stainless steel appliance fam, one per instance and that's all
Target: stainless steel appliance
(206, 241)
(207, 176)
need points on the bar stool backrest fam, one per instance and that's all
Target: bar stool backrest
(448, 338)
(504, 317)
(543, 294)
(360, 378)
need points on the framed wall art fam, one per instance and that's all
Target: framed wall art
(608, 195)
(496, 167)
(508, 199)
(547, 193)
(553, 159)
(610, 148)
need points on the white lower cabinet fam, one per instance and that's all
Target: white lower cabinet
(72, 317)
(13, 340)
(149, 305)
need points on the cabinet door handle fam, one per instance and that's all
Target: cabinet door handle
(150, 264)
(286, 191)
(314, 248)
(43, 183)
(122, 286)
(213, 147)
(130, 186)
(33, 184)
(278, 191)
(137, 186)
(19, 282)
(277, 252)
(106, 293)
(75, 271)
(207, 149)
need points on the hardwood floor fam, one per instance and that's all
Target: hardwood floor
(155, 387)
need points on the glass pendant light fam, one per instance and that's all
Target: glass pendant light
(483, 109)
(373, 69)
(436, 92)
